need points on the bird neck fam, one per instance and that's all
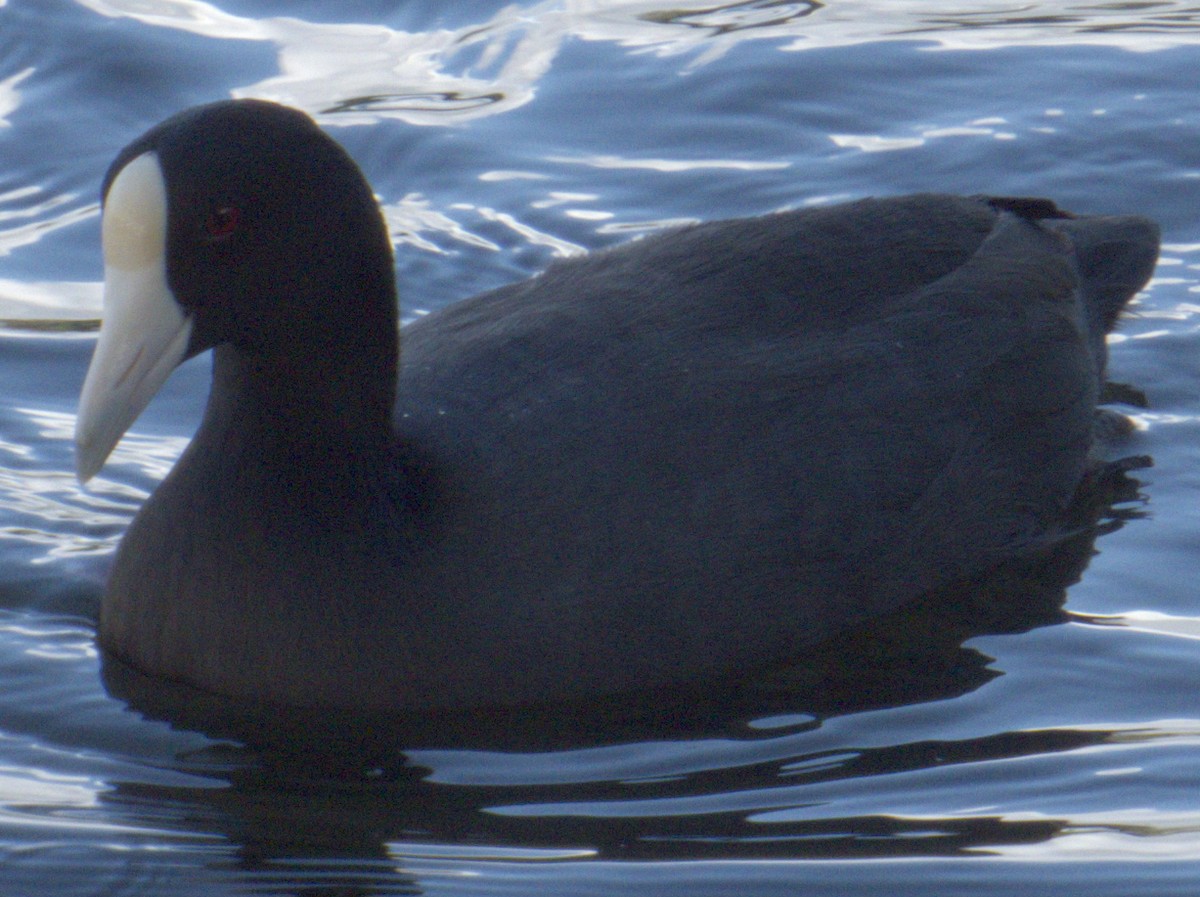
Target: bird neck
(310, 413)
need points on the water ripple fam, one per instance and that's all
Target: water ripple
(606, 118)
(358, 73)
(10, 98)
(35, 222)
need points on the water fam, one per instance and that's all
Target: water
(1011, 745)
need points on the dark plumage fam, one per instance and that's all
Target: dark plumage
(694, 454)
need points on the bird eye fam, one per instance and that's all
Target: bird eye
(222, 221)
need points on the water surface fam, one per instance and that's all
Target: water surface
(1040, 736)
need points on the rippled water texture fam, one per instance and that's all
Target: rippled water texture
(1039, 733)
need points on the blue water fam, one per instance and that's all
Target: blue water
(1014, 747)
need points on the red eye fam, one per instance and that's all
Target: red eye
(222, 221)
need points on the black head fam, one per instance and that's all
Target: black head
(239, 225)
(274, 240)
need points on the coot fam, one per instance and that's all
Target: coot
(696, 454)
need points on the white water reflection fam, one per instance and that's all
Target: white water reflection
(1121, 836)
(49, 300)
(415, 222)
(1153, 622)
(669, 166)
(10, 99)
(995, 128)
(27, 222)
(49, 512)
(361, 72)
